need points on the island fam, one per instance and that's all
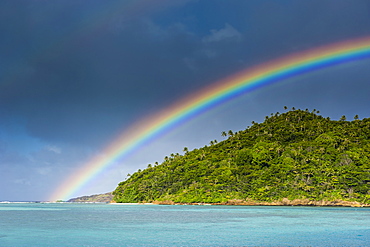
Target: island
(98, 198)
(293, 158)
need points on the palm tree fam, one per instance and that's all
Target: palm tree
(223, 133)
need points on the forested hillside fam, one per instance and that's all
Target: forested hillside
(295, 155)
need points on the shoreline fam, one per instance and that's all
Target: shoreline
(283, 202)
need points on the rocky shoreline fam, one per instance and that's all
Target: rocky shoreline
(283, 202)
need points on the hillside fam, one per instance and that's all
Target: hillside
(297, 155)
(107, 197)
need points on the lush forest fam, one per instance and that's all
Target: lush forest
(294, 155)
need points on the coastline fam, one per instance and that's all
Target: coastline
(283, 202)
(130, 203)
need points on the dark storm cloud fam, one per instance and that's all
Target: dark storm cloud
(87, 86)
(75, 91)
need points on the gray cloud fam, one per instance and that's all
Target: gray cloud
(228, 33)
(73, 91)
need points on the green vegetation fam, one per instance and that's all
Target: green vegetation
(294, 155)
(107, 197)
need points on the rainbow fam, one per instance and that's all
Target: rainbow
(245, 81)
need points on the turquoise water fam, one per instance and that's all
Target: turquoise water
(157, 225)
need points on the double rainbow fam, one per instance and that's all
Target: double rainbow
(245, 81)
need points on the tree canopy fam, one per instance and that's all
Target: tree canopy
(295, 155)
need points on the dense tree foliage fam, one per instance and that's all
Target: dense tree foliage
(295, 155)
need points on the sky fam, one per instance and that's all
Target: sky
(75, 74)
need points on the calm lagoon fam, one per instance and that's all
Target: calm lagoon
(37, 224)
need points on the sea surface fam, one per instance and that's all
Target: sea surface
(65, 224)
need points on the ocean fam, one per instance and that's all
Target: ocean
(67, 224)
